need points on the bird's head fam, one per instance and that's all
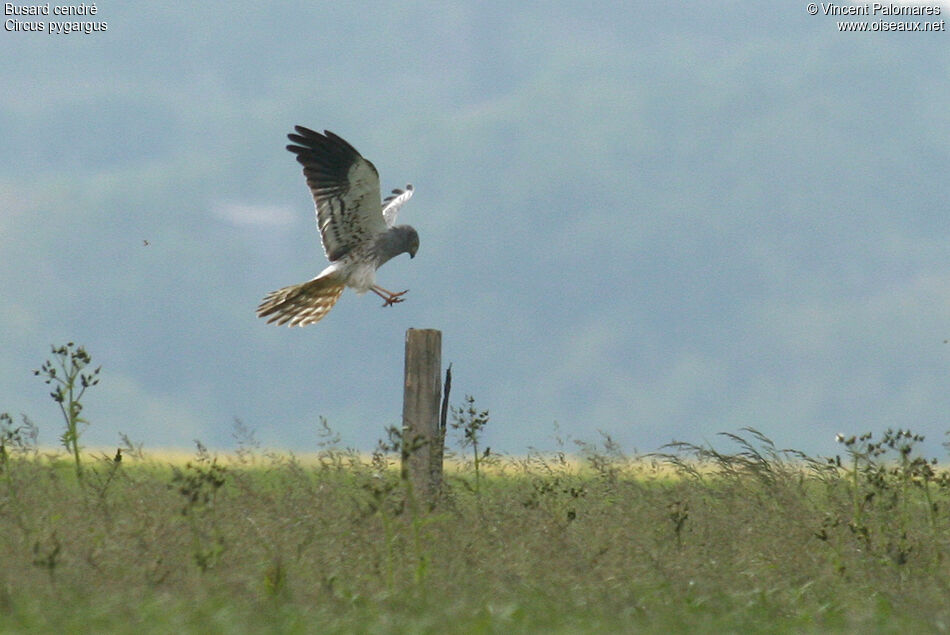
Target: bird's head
(413, 242)
(398, 240)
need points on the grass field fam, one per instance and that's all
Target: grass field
(742, 539)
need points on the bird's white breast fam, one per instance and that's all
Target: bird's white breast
(359, 276)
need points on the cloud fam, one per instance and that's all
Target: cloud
(251, 215)
(143, 413)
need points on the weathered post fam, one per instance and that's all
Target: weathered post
(422, 437)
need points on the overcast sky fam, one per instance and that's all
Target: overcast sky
(653, 223)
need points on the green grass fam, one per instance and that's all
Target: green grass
(700, 540)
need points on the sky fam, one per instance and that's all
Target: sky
(650, 223)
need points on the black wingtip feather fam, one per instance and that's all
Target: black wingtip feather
(327, 143)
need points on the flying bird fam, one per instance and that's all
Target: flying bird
(359, 231)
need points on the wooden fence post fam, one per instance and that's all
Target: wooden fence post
(422, 437)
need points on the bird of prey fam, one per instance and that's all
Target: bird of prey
(358, 230)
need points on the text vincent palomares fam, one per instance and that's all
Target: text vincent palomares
(877, 8)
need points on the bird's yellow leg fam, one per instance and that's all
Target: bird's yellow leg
(387, 295)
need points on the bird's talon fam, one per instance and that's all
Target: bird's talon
(395, 298)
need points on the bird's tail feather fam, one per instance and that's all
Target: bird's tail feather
(301, 304)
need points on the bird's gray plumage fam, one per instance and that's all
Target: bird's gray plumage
(357, 229)
(396, 240)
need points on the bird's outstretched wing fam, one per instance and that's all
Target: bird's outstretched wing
(345, 189)
(393, 202)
